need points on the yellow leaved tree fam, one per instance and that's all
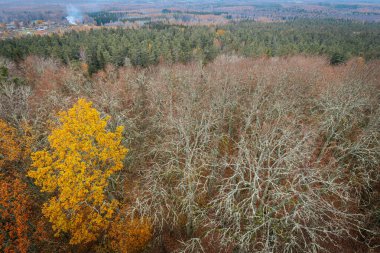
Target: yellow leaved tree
(81, 157)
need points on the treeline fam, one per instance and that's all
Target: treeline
(105, 17)
(217, 13)
(170, 44)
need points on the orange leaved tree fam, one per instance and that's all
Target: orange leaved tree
(130, 235)
(75, 169)
(14, 216)
(10, 150)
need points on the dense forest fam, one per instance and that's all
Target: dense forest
(192, 139)
(104, 17)
(156, 43)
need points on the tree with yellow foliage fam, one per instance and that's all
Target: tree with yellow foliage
(75, 169)
(220, 32)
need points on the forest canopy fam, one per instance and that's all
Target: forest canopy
(156, 43)
(248, 137)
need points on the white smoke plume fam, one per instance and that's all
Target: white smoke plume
(75, 16)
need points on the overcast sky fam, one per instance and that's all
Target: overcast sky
(126, 1)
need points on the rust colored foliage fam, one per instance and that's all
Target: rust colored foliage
(10, 150)
(14, 216)
(130, 235)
